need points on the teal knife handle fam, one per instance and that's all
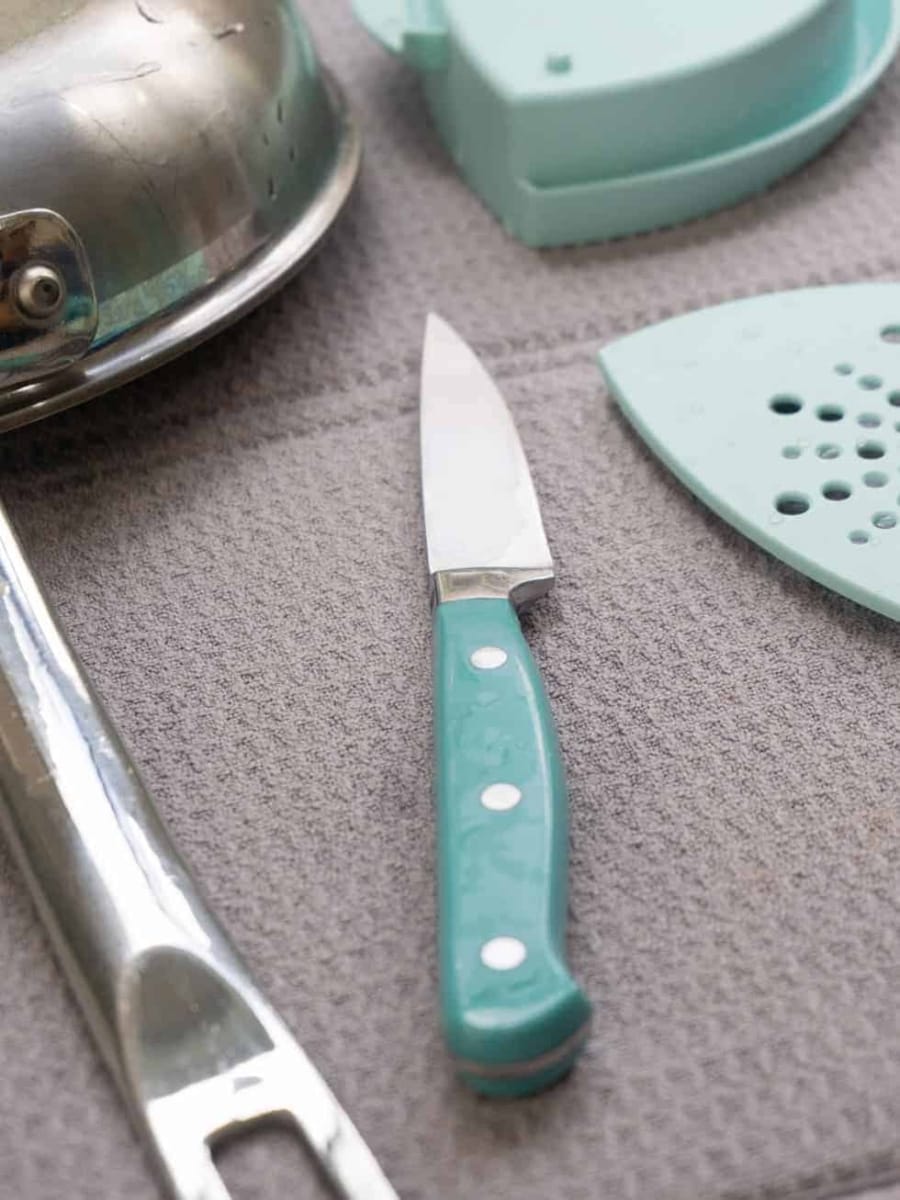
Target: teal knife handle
(513, 1026)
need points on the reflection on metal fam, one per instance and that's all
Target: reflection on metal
(197, 148)
(48, 310)
(522, 586)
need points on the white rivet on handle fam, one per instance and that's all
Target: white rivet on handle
(503, 953)
(501, 797)
(488, 658)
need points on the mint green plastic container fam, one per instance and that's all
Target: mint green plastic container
(578, 120)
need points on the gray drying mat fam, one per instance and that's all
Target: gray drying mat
(234, 545)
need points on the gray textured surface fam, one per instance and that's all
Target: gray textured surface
(234, 546)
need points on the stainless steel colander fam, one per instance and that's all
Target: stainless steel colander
(166, 165)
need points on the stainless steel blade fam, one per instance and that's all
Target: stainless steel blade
(481, 511)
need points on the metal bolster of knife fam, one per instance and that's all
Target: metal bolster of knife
(520, 585)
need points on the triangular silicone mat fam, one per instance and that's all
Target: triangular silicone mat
(783, 414)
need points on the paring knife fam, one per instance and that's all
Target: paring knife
(513, 1016)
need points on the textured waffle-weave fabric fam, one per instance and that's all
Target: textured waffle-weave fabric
(234, 547)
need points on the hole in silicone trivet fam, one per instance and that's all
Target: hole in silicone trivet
(875, 479)
(859, 536)
(891, 333)
(869, 420)
(792, 504)
(791, 452)
(830, 412)
(870, 383)
(828, 450)
(844, 369)
(894, 399)
(884, 520)
(870, 450)
(837, 490)
(785, 406)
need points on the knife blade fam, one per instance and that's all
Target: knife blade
(513, 1016)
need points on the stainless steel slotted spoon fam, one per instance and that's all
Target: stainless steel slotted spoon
(195, 1047)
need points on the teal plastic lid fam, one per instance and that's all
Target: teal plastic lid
(582, 120)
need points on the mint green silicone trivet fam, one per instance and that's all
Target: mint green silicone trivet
(783, 414)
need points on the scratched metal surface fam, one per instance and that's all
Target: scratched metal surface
(178, 139)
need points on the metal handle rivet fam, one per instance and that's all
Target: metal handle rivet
(38, 291)
(488, 658)
(503, 953)
(501, 797)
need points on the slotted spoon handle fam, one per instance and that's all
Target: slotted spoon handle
(196, 1049)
